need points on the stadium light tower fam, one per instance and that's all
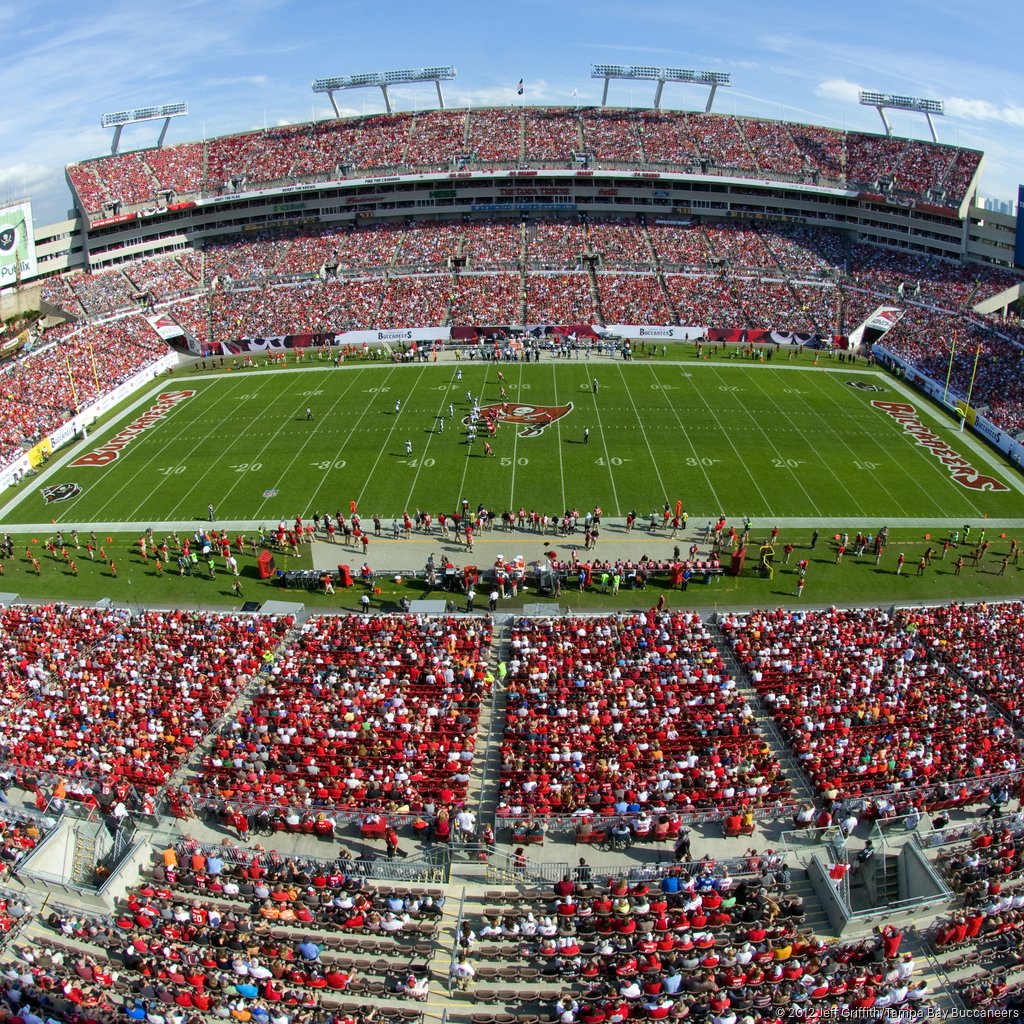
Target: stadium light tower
(122, 117)
(882, 100)
(383, 79)
(712, 79)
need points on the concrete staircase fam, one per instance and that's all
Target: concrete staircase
(798, 780)
(485, 782)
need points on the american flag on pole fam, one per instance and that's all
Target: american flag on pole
(519, 88)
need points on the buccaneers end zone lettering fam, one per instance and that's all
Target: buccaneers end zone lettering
(106, 454)
(959, 468)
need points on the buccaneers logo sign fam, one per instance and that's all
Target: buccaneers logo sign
(534, 417)
(61, 492)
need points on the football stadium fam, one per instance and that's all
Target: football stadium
(513, 564)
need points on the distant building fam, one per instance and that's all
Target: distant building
(999, 205)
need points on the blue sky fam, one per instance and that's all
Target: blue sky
(247, 63)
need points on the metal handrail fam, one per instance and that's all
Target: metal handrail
(455, 942)
(955, 833)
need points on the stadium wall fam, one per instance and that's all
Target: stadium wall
(68, 431)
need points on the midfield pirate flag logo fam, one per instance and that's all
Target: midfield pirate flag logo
(534, 417)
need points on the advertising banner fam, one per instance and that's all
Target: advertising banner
(408, 336)
(764, 337)
(165, 326)
(655, 332)
(17, 244)
(39, 452)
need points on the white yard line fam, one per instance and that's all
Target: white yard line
(387, 442)
(683, 431)
(300, 450)
(512, 503)
(426, 447)
(558, 434)
(925, 408)
(355, 426)
(643, 431)
(607, 454)
(168, 443)
(728, 437)
(876, 438)
(835, 476)
(466, 461)
(286, 420)
(792, 472)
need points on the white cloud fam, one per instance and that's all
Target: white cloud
(220, 83)
(775, 43)
(18, 180)
(983, 110)
(838, 89)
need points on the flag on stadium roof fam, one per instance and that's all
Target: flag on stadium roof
(519, 88)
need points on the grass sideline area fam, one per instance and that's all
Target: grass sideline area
(857, 581)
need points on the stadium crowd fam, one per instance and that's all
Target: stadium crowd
(983, 866)
(109, 697)
(41, 391)
(541, 136)
(232, 953)
(615, 715)
(359, 713)
(698, 943)
(867, 705)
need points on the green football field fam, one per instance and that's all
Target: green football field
(761, 440)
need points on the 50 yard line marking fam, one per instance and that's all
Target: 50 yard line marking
(558, 434)
(465, 466)
(515, 449)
